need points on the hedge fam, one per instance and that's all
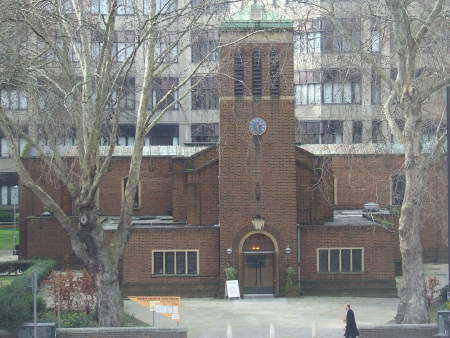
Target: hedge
(14, 267)
(7, 216)
(16, 299)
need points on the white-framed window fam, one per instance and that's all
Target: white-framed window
(162, 6)
(9, 195)
(99, 6)
(125, 7)
(340, 260)
(307, 42)
(123, 45)
(166, 48)
(320, 132)
(13, 99)
(204, 43)
(175, 262)
(161, 87)
(4, 147)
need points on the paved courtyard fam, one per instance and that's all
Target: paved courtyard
(251, 318)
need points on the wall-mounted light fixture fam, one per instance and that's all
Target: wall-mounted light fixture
(258, 222)
(229, 251)
(288, 250)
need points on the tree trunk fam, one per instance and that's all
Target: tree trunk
(412, 307)
(109, 297)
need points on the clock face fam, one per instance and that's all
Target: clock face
(257, 126)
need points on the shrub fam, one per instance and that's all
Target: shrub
(290, 276)
(70, 319)
(72, 291)
(230, 273)
(16, 299)
(14, 267)
(6, 216)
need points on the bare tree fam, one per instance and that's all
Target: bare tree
(75, 67)
(405, 48)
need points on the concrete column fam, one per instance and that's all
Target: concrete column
(347, 127)
(367, 131)
(184, 133)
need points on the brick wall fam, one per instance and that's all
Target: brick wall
(137, 275)
(399, 331)
(379, 253)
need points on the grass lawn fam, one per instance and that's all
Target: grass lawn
(6, 238)
(6, 280)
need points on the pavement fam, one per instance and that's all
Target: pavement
(252, 317)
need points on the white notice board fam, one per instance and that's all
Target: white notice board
(232, 289)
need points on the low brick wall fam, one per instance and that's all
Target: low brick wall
(398, 331)
(113, 332)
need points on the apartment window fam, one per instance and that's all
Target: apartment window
(163, 135)
(123, 45)
(341, 37)
(375, 89)
(307, 43)
(162, 6)
(308, 87)
(341, 87)
(205, 94)
(357, 131)
(99, 6)
(256, 73)
(162, 87)
(125, 7)
(204, 45)
(175, 262)
(320, 132)
(274, 73)
(238, 74)
(136, 196)
(398, 189)
(340, 260)
(12, 98)
(4, 147)
(205, 132)
(166, 48)
(375, 35)
(125, 97)
(377, 132)
(125, 135)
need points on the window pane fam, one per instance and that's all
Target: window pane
(323, 260)
(192, 262)
(181, 263)
(356, 260)
(4, 99)
(4, 192)
(327, 93)
(357, 93)
(14, 195)
(158, 263)
(345, 260)
(311, 94)
(337, 92)
(169, 262)
(317, 93)
(334, 260)
(347, 92)
(14, 99)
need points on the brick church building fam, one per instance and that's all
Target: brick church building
(256, 201)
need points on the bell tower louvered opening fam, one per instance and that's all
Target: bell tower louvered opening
(238, 74)
(274, 73)
(256, 73)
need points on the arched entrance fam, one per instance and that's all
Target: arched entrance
(258, 263)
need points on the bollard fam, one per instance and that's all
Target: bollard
(314, 329)
(229, 331)
(272, 331)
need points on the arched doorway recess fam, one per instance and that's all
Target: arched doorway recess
(258, 263)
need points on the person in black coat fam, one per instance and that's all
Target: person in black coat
(351, 330)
